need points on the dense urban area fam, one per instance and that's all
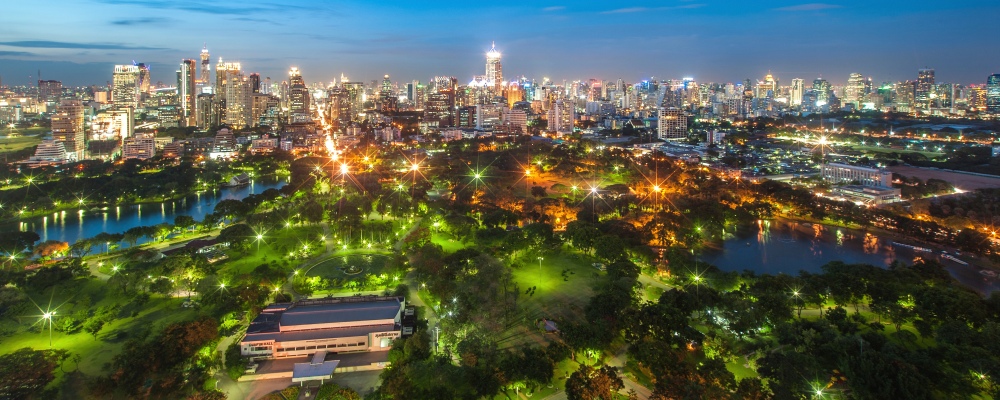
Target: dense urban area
(224, 235)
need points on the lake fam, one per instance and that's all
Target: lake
(70, 226)
(774, 247)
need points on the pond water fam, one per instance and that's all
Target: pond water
(70, 226)
(774, 247)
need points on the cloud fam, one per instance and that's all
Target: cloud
(14, 53)
(808, 7)
(554, 8)
(628, 10)
(206, 8)
(45, 44)
(139, 21)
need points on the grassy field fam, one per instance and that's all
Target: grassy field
(447, 241)
(93, 352)
(562, 287)
(18, 143)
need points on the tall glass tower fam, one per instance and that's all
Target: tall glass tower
(993, 94)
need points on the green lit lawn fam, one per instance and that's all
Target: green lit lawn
(447, 241)
(18, 143)
(555, 297)
(94, 353)
(275, 247)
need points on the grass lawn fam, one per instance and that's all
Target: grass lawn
(94, 353)
(18, 143)
(275, 247)
(447, 241)
(562, 287)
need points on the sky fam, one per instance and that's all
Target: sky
(79, 41)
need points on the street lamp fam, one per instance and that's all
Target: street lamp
(540, 270)
(48, 318)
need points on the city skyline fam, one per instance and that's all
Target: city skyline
(719, 42)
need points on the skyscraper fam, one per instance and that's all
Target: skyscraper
(144, 78)
(49, 91)
(225, 73)
(125, 86)
(255, 82)
(993, 94)
(855, 90)
(924, 88)
(67, 128)
(298, 94)
(206, 66)
(186, 92)
(798, 89)
(821, 88)
(494, 70)
(672, 123)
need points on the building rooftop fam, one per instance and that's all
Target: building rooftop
(372, 311)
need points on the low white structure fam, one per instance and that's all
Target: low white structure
(335, 325)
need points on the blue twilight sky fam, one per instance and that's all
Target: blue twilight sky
(78, 41)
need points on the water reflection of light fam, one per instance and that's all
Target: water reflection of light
(817, 231)
(840, 238)
(870, 244)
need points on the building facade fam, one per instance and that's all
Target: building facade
(672, 123)
(843, 173)
(125, 86)
(186, 93)
(68, 128)
(335, 325)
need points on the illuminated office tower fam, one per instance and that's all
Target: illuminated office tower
(49, 91)
(225, 73)
(144, 83)
(125, 86)
(387, 99)
(67, 128)
(561, 117)
(924, 88)
(993, 94)
(355, 97)
(494, 70)
(767, 88)
(186, 92)
(298, 93)
(208, 111)
(206, 66)
(238, 102)
(855, 90)
(798, 89)
(672, 123)
(821, 88)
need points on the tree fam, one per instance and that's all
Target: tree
(238, 236)
(25, 372)
(538, 191)
(51, 248)
(17, 241)
(184, 222)
(589, 383)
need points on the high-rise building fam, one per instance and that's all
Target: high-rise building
(798, 89)
(561, 117)
(855, 90)
(208, 111)
(494, 70)
(254, 83)
(144, 79)
(821, 89)
(225, 74)
(993, 94)
(924, 88)
(387, 101)
(125, 86)
(67, 128)
(49, 91)
(186, 95)
(206, 66)
(672, 123)
(237, 98)
(298, 94)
